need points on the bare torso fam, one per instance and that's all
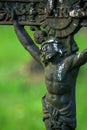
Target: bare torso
(60, 82)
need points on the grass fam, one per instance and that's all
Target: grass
(21, 91)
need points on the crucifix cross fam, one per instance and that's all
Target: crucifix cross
(54, 22)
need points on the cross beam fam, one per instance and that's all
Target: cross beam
(35, 13)
(25, 11)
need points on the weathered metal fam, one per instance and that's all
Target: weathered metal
(36, 13)
(54, 23)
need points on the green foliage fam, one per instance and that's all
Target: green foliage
(21, 91)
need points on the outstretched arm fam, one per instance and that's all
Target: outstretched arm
(80, 58)
(26, 41)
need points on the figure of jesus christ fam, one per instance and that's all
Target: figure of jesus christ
(61, 70)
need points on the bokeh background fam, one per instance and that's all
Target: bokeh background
(22, 85)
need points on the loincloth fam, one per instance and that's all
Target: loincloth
(55, 116)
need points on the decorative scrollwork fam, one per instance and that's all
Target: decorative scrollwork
(56, 18)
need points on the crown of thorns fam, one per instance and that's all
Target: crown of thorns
(52, 42)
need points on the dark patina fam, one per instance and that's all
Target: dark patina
(54, 23)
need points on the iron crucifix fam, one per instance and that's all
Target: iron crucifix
(54, 22)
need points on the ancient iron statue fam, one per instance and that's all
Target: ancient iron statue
(54, 23)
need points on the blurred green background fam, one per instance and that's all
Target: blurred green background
(21, 89)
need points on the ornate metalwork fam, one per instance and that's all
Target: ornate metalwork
(37, 12)
(54, 23)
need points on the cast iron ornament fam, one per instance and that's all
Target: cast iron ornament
(54, 23)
